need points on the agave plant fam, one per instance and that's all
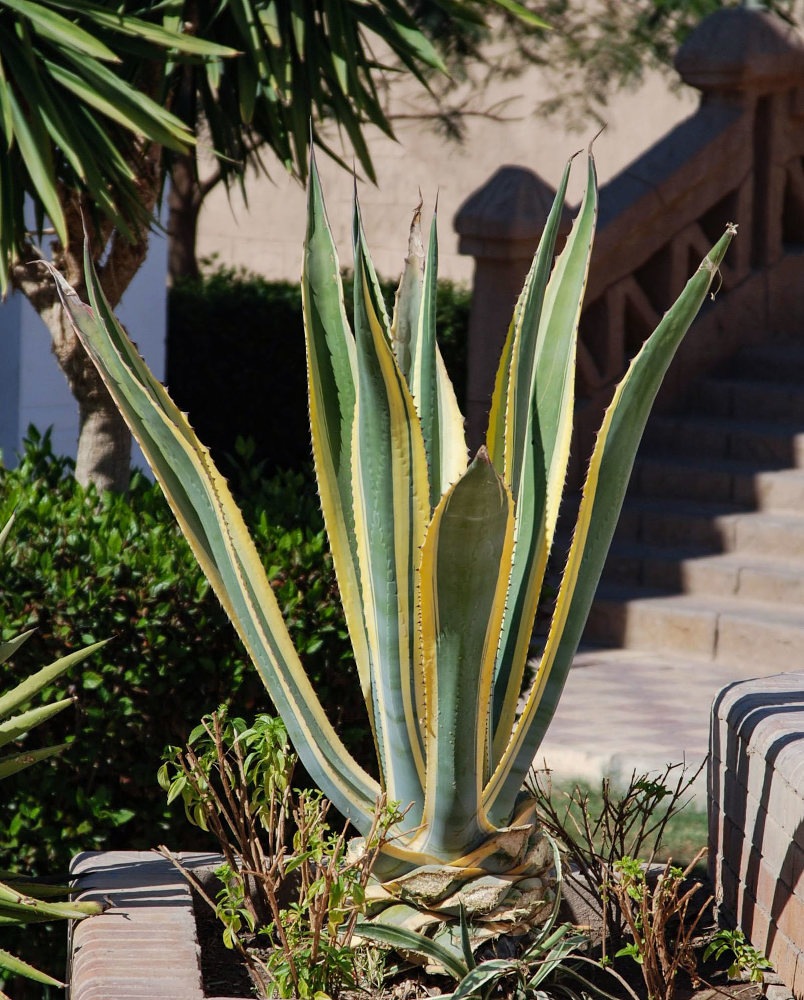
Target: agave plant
(440, 560)
(25, 900)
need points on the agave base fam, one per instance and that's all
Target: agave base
(496, 899)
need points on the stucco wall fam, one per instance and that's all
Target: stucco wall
(267, 236)
(33, 389)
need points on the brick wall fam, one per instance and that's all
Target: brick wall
(756, 816)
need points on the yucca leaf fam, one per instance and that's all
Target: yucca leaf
(19, 761)
(395, 25)
(53, 26)
(136, 27)
(391, 504)
(331, 373)
(102, 89)
(5, 108)
(25, 690)
(539, 417)
(10, 647)
(18, 725)
(13, 902)
(214, 527)
(520, 11)
(464, 576)
(17, 967)
(604, 490)
(31, 136)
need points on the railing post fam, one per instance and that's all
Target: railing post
(751, 59)
(499, 225)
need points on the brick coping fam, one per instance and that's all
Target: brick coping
(756, 816)
(144, 945)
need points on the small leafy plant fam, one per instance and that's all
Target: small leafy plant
(287, 880)
(656, 916)
(748, 963)
(630, 823)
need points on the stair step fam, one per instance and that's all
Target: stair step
(707, 562)
(772, 445)
(741, 575)
(738, 398)
(774, 360)
(751, 634)
(720, 480)
(717, 527)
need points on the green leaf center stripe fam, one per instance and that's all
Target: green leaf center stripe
(331, 378)
(423, 376)
(465, 557)
(391, 512)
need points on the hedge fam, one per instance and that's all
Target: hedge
(79, 567)
(236, 360)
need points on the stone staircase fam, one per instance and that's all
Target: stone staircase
(707, 563)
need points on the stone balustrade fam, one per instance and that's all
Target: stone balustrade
(739, 158)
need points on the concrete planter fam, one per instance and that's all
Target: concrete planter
(144, 946)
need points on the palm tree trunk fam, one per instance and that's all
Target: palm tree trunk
(104, 446)
(184, 207)
(104, 441)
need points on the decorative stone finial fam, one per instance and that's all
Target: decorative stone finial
(742, 49)
(506, 216)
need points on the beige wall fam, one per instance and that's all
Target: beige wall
(267, 236)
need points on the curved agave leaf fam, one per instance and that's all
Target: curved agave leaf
(604, 490)
(390, 490)
(9, 648)
(539, 412)
(15, 726)
(462, 604)
(19, 725)
(28, 909)
(407, 940)
(214, 527)
(530, 298)
(19, 761)
(408, 299)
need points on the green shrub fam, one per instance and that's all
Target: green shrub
(258, 378)
(84, 568)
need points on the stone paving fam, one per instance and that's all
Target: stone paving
(626, 709)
